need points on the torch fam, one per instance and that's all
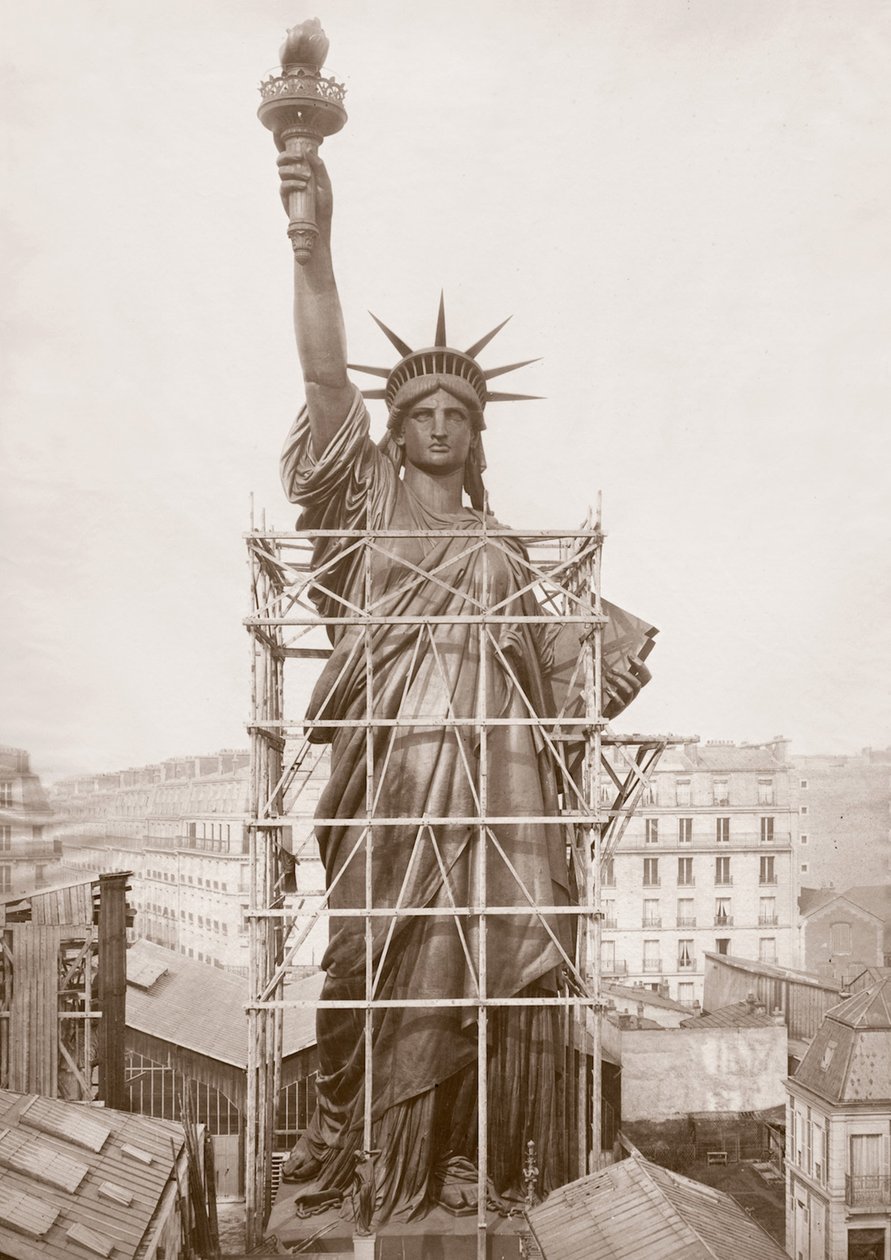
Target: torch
(300, 107)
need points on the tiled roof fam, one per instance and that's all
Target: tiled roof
(635, 1210)
(67, 1185)
(201, 1008)
(875, 899)
(849, 1059)
(737, 1015)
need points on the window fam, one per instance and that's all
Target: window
(651, 917)
(608, 956)
(804, 868)
(651, 872)
(804, 839)
(5, 795)
(608, 872)
(685, 955)
(608, 909)
(5, 878)
(767, 831)
(722, 830)
(723, 916)
(767, 870)
(686, 992)
(652, 830)
(722, 944)
(767, 949)
(682, 792)
(685, 871)
(840, 936)
(802, 783)
(685, 831)
(803, 809)
(5, 838)
(651, 958)
(765, 791)
(649, 794)
(686, 912)
(767, 911)
(721, 791)
(722, 870)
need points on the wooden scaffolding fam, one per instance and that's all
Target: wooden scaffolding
(601, 775)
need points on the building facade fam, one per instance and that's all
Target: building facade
(844, 809)
(838, 1135)
(844, 933)
(181, 828)
(706, 863)
(29, 857)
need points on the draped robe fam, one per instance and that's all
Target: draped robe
(424, 1059)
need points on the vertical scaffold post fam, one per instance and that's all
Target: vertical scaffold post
(482, 901)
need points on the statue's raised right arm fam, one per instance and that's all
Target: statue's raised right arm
(318, 319)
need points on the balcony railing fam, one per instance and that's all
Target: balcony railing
(868, 1191)
(610, 923)
(768, 920)
(618, 967)
(768, 881)
(723, 920)
(686, 965)
(724, 883)
(652, 964)
(686, 921)
(649, 921)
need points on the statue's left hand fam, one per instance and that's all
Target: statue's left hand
(622, 686)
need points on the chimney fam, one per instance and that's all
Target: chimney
(751, 1004)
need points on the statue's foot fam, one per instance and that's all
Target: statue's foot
(456, 1190)
(300, 1166)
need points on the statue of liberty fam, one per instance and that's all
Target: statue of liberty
(424, 481)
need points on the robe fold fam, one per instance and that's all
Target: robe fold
(424, 1059)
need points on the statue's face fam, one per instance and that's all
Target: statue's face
(437, 434)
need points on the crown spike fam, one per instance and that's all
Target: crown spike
(510, 367)
(495, 396)
(372, 371)
(391, 336)
(484, 341)
(439, 337)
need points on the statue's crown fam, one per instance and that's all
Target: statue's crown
(440, 359)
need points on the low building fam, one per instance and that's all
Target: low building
(635, 1210)
(705, 864)
(29, 855)
(802, 998)
(186, 1026)
(82, 1181)
(843, 933)
(838, 1135)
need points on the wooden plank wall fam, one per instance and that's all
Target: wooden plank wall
(63, 905)
(112, 977)
(34, 1013)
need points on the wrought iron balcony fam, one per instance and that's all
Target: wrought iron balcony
(618, 967)
(686, 921)
(652, 964)
(871, 1192)
(686, 965)
(768, 920)
(610, 923)
(723, 920)
(649, 921)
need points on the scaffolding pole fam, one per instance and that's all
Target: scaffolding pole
(591, 764)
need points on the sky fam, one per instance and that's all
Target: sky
(684, 206)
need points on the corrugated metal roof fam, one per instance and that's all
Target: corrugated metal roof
(51, 1212)
(635, 1210)
(737, 1015)
(201, 1008)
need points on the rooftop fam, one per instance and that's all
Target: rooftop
(849, 1060)
(636, 1209)
(201, 1008)
(771, 969)
(77, 1180)
(737, 1015)
(875, 899)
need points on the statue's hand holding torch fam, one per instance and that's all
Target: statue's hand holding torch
(300, 107)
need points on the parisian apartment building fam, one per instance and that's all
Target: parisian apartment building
(29, 857)
(708, 863)
(180, 826)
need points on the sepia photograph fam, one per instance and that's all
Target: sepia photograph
(445, 757)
